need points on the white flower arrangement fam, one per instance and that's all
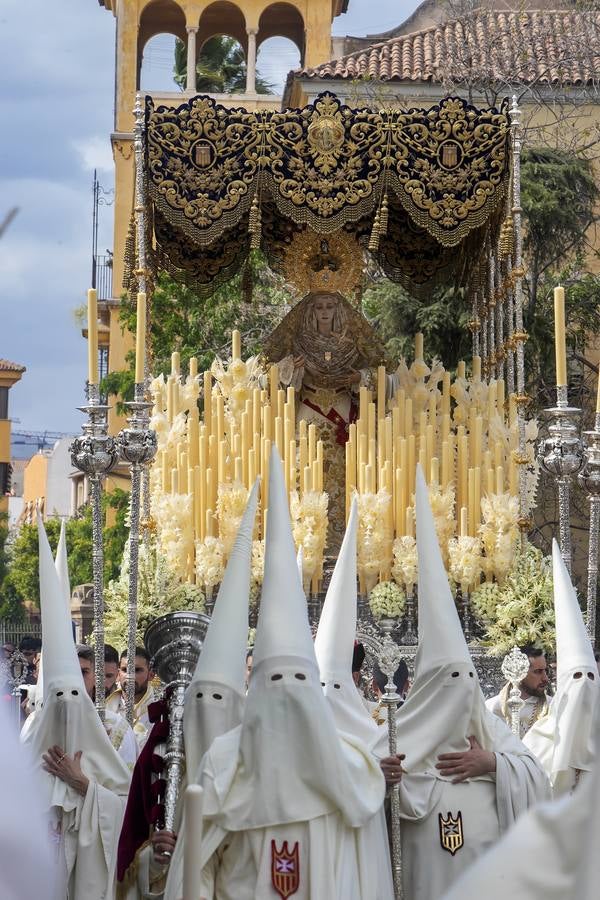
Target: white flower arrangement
(210, 562)
(387, 601)
(521, 610)
(499, 533)
(173, 516)
(374, 538)
(235, 381)
(309, 527)
(442, 501)
(159, 592)
(465, 563)
(405, 568)
(231, 503)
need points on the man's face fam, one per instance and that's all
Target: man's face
(111, 670)
(536, 681)
(87, 670)
(142, 675)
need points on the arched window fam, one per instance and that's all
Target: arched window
(275, 58)
(161, 22)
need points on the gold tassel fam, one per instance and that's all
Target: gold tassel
(384, 214)
(375, 234)
(253, 216)
(255, 233)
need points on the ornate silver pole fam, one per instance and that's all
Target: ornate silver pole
(589, 479)
(137, 443)
(515, 667)
(510, 352)
(561, 455)
(519, 335)
(95, 453)
(389, 660)
(410, 635)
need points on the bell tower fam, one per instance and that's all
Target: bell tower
(307, 23)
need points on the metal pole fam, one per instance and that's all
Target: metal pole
(589, 479)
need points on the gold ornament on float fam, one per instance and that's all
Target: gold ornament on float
(317, 263)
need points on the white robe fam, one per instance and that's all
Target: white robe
(84, 844)
(488, 805)
(337, 861)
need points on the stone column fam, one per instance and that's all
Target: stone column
(192, 31)
(251, 61)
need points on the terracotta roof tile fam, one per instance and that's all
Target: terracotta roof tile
(547, 46)
(8, 366)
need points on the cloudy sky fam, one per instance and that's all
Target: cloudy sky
(56, 102)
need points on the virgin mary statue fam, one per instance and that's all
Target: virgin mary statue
(327, 350)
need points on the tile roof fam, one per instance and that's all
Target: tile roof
(7, 366)
(554, 47)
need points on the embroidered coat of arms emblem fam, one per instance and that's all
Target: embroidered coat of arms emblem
(285, 869)
(451, 832)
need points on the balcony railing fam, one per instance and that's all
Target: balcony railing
(103, 267)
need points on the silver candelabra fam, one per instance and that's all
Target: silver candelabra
(561, 455)
(589, 479)
(95, 453)
(137, 444)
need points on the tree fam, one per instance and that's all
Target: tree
(559, 195)
(221, 68)
(21, 582)
(201, 326)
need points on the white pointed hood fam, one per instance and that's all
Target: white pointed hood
(441, 637)
(290, 764)
(62, 565)
(68, 717)
(215, 696)
(334, 643)
(552, 851)
(562, 740)
(445, 705)
(62, 569)
(283, 628)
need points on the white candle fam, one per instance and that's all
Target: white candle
(560, 344)
(192, 837)
(92, 324)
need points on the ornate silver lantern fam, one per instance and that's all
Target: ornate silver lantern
(174, 642)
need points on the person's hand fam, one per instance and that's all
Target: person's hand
(298, 362)
(163, 845)
(392, 769)
(352, 379)
(67, 768)
(469, 764)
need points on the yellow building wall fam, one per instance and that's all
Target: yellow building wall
(35, 478)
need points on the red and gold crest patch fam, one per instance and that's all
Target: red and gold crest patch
(285, 869)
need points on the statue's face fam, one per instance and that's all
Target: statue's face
(324, 306)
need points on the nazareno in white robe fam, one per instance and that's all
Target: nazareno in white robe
(444, 708)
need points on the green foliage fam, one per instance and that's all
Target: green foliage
(159, 592)
(21, 582)
(221, 68)
(521, 610)
(558, 195)
(398, 316)
(201, 326)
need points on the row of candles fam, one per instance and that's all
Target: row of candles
(383, 446)
(221, 448)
